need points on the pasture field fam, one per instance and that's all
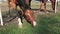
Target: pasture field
(47, 23)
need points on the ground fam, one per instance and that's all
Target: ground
(47, 23)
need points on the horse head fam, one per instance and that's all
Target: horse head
(30, 17)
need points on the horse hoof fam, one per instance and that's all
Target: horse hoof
(20, 26)
(34, 24)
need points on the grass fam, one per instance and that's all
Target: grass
(46, 24)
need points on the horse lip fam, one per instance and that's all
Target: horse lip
(34, 23)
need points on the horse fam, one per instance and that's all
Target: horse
(25, 12)
(53, 3)
(9, 5)
(44, 2)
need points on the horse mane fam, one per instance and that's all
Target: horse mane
(23, 3)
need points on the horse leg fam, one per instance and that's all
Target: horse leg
(19, 19)
(9, 15)
(20, 23)
(20, 15)
(40, 7)
(53, 5)
(44, 5)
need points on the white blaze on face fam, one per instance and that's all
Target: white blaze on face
(29, 15)
(20, 23)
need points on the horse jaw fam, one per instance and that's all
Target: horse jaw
(20, 23)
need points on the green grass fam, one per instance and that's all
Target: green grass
(46, 24)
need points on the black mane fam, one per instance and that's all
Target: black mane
(23, 4)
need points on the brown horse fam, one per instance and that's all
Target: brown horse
(9, 5)
(27, 12)
(53, 2)
(44, 2)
